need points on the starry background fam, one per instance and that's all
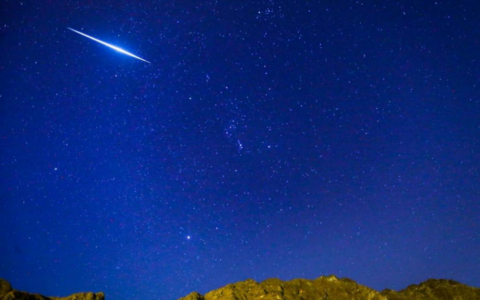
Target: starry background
(266, 139)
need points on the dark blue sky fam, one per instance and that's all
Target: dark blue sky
(265, 139)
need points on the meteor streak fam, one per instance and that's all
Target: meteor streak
(108, 45)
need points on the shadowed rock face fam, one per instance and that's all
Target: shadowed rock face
(332, 288)
(7, 293)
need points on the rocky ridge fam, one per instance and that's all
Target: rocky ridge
(333, 288)
(8, 293)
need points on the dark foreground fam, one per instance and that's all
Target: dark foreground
(322, 288)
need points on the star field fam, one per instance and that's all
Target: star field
(266, 139)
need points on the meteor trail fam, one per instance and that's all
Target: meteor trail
(108, 45)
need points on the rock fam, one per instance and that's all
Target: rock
(323, 288)
(435, 289)
(5, 287)
(193, 296)
(333, 288)
(82, 296)
(7, 293)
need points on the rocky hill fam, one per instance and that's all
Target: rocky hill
(7, 293)
(322, 288)
(332, 288)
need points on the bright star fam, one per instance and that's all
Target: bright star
(108, 45)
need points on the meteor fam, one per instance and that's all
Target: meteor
(110, 46)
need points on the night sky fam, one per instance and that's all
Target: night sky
(265, 139)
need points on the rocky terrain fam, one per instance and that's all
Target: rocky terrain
(333, 288)
(8, 293)
(322, 288)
